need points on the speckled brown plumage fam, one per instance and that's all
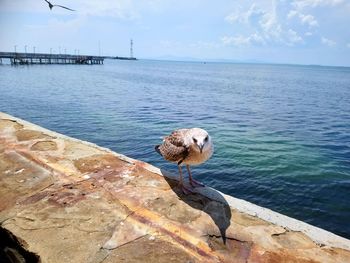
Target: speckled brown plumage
(174, 148)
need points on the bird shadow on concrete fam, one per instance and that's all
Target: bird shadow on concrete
(207, 200)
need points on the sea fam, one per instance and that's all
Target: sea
(281, 132)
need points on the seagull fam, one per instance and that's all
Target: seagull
(187, 146)
(51, 6)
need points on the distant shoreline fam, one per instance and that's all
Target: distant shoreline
(241, 62)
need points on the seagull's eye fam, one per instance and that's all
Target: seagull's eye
(195, 140)
(206, 139)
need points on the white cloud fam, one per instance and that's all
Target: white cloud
(292, 13)
(294, 37)
(233, 17)
(328, 42)
(243, 17)
(308, 34)
(316, 3)
(269, 21)
(308, 19)
(270, 27)
(241, 40)
(235, 41)
(304, 19)
(267, 26)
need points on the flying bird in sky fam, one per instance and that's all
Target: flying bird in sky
(187, 146)
(51, 6)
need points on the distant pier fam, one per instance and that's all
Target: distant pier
(17, 58)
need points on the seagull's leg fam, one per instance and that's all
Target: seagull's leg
(193, 182)
(184, 189)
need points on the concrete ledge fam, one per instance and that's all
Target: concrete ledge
(59, 193)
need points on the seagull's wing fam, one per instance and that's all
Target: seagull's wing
(177, 137)
(63, 7)
(173, 148)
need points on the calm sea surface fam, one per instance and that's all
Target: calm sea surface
(281, 133)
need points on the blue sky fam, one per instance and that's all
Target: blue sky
(276, 31)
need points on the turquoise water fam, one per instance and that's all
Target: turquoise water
(281, 133)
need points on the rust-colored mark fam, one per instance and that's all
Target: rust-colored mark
(116, 178)
(65, 197)
(44, 146)
(112, 175)
(36, 159)
(200, 252)
(168, 230)
(36, 197)
(70, 194)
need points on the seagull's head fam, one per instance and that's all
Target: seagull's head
(200, 139)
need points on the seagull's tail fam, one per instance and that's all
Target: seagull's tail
(157, 149)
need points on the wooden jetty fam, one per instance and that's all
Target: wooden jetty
(17, 58)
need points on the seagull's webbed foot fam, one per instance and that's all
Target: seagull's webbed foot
(195, 183)
(185, 189)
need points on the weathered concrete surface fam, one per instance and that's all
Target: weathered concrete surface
(70, 201)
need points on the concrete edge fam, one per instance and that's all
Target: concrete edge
(318, 235)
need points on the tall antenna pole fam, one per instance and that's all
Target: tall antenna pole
(131, 49)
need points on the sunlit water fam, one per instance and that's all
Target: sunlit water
(281, 133)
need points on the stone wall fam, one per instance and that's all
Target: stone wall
(65, 200)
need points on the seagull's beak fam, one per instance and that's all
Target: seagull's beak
(200, 146)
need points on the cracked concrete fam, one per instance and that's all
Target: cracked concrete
(71, 201)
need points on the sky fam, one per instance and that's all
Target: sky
(272, 31)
